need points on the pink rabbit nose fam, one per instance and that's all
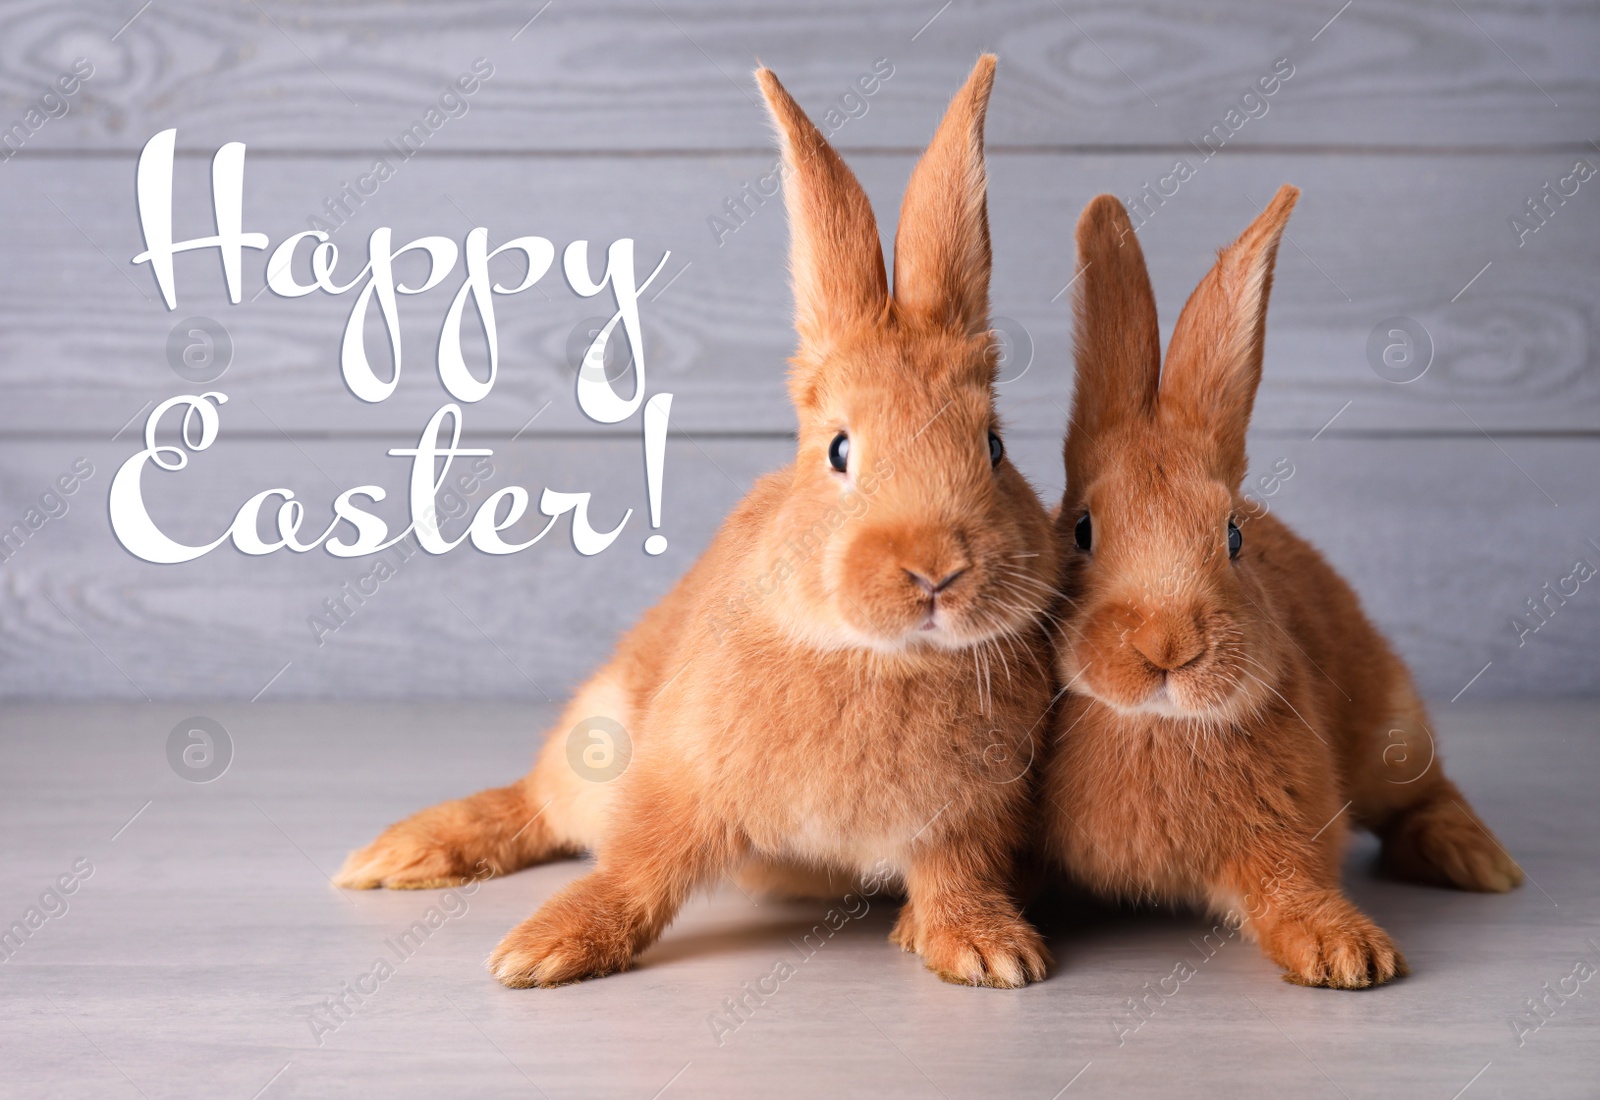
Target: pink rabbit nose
(1168, 646)
(932, 587)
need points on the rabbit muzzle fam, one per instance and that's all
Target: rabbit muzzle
(932, 584)
(1177, 662)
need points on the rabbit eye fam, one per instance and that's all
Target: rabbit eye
(1084, 533)
(839, 452)
(997, 450)
(1235, 539)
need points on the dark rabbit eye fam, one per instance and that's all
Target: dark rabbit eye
(1235, 539)
(997, 450)
(1084, 533)
(839, 452)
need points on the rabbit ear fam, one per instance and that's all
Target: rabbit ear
(1117, 343)
(835, 258)
(941, 250)
(1214, 361)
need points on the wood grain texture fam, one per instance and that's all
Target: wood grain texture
(642, 76)
(193, 956)
(1445, 540)
(1415, 129)
(1375, 237)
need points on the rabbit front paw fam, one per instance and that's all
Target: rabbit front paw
(407, 856)
(1341, 949)
(583, 932)
(994, 949)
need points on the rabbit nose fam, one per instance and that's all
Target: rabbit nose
(1166, 645)
(932, 587)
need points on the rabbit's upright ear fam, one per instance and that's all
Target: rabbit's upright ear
(1214, 362)
(1116, 341)
(941, 250)
(835, 258)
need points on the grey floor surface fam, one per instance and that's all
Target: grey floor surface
(202, 933)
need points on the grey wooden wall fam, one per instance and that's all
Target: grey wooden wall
(1417, 130)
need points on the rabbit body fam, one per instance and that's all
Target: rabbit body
(1232, 708)
(839, 686)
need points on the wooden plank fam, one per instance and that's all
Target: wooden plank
(630, 75)
(1514, 326)
(1446, 540)
(146, 961)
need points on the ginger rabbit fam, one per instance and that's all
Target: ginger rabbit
(1229, 700)
(828, 690)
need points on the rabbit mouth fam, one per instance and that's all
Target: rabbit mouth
(946, 628)
(1163, 699)
(935, 628)
(1174, 697)
(935, 620)
(950, 606)
(973, 618)
(1202, 688)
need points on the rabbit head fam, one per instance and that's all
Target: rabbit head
(905, 525)
(1168, 614)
